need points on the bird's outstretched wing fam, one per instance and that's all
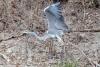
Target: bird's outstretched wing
(55, 16)
(55, 9)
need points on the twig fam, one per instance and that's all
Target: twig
(85, 55)
(92, 63)
(86, 30)
(13, 37)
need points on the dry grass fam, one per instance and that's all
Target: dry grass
(17, 49)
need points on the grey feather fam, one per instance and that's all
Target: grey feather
(56, 22)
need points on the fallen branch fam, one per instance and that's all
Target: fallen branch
(86, 30)
(13, 37)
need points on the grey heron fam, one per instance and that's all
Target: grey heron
(56, 24)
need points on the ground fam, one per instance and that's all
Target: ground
(81, 45)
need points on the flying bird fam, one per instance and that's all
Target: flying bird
(56, 23)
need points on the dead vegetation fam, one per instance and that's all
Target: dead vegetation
(81, 45)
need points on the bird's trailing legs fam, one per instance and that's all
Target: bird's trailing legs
(45, 36)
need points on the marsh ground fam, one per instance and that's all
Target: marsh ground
(17, 50)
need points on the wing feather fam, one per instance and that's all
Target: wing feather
(59, 21)
(56, 10)
(55, 17)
